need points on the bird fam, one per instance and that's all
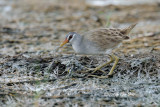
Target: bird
(99, 41)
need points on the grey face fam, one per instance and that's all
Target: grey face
(70, 36)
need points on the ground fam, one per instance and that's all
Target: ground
(32, 73)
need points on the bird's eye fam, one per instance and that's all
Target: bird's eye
(70, 37)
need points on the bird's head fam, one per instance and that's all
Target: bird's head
(70, 38)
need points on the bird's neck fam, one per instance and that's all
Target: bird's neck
(77, 45)
(77, 41)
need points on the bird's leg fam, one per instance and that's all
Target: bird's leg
(115, 63)
(101, 66)
(113, 67)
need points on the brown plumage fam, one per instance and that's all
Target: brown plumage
(108, 37)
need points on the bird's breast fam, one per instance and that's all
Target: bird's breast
(86, 48)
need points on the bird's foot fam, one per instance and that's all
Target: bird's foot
(94, 70)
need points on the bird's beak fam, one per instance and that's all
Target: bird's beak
(64, 42)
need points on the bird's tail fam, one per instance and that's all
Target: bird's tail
(126, 31)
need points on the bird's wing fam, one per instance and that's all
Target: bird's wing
(105, 37)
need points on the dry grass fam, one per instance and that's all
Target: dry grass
(27, 81)
(49, 5)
